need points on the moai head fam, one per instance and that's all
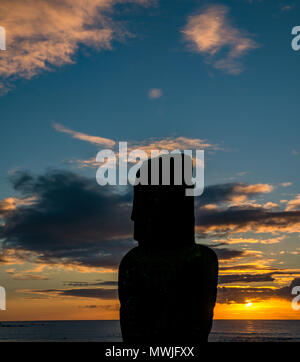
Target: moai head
(163, 214)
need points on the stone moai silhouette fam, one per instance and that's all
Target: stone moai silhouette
(168, 283)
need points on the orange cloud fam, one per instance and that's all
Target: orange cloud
(172, 143)
(41, 34)
(287, 8)
(210, 207)
(12, 256)
(147, 145)
(250, 240)
(210, 31)
(11, 203)
(168, 143)
(254, 189)
(279, 225)
(85, 137)
(270, 205)
(286, 184)
(155, 93)
(293, 204)
(7, 205)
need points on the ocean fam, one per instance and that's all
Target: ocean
(109, 331)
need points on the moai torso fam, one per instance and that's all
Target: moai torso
(167, 295)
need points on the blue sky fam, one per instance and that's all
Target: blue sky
(252, 115)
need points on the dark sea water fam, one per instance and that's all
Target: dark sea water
(109, 331)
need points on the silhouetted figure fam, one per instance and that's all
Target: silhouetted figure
(168, 284)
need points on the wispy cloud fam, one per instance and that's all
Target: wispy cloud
(293, 204)
(173, 143)
(155, 93)
(11, 203)
(210, 32)
(241, 294)
(84, 137)
(287, 8)
(150, 144)
(42, 34)
(25, 276)
(286, 184)
(253, 189)
(226, 294)
(270, 205)
(146, 145)
(250, 240)
(98, 293)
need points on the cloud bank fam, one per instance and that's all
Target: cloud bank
(72, 221)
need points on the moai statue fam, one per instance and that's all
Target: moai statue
(168, 283)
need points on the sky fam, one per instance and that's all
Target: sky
(79, 76)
